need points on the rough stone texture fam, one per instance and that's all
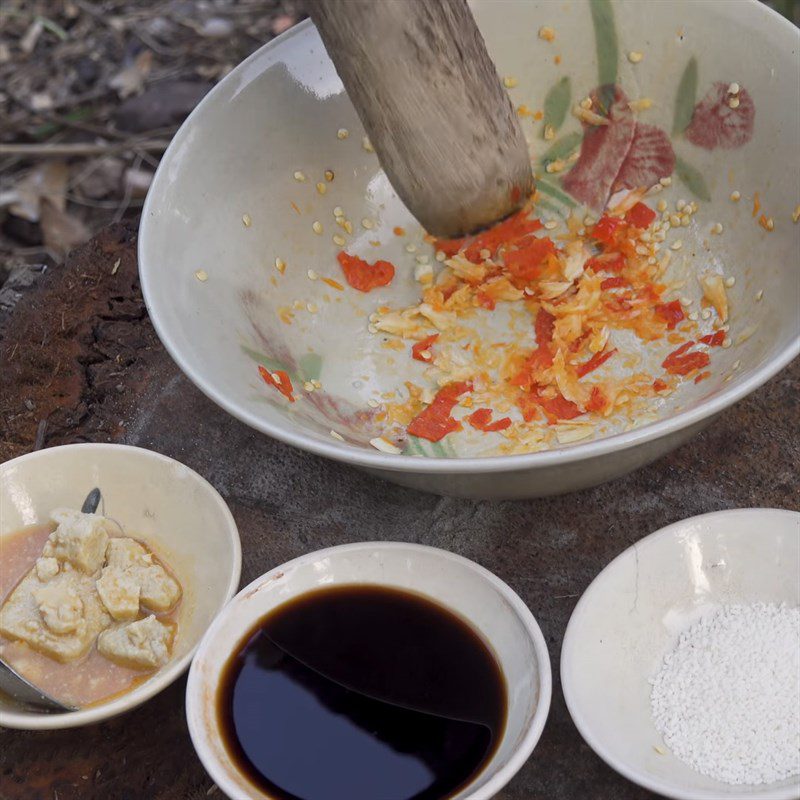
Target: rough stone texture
(287, 503)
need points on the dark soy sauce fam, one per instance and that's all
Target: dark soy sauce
(361, 693)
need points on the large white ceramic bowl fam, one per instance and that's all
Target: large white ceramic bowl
(153, 497)
(279, 112)
(474, 593)
(631, 615)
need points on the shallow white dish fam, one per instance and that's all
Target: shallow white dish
(279, 112)
(473, 592)
(154, 497)
(631, 616)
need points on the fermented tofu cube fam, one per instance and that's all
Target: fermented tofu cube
(119, 591)
(46, 568)
(160, 591)
(143, 644)
(80, 539)
(21, 618)
(123, 551)
(60, 605)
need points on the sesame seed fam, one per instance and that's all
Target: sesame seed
(367, 223)
(280, 265)
(311, 308)
(726, 343)
(676, 245)
(662, 205)
(440, 256)
(338, 436)
(371, 328)
(770, 224)
(338, 211)
(246, 220)
(680, 205)
(549, 135)
(736, 196)
(635, 57)
(586, 103)
(308, 386)
(665, 181)
(322, 188)
(348, 226)
(385, 446)
(299, 176)
(551, 224)
(312, 276)
(337, 239)
(706, 313)
(652, 260)
(547, 33)
(367, 144)
(425, 355)
(759, 295)
(509, 82)
(342, 133)
(685, 221)
(411, 248)
(717, 228)
(317, 227)
(736, 364)
(201, 275)
(675, 220)
(693, 316)
(328, 175)
(422, 259)
(733, 88)
(733, 102)
(730, 281)
(693, 207)
(373, 403)
(528, 291)
(317, 384)
(796, 213)
(641, 250)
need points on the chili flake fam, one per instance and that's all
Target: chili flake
(364, 276)
(279, 379)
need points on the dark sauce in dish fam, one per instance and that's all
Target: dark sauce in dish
(361, 693)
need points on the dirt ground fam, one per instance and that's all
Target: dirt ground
(91, 92)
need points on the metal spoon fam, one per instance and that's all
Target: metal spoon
(19, 688)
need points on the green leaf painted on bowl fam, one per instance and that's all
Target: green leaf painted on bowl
(556, 104)
(686, 98)
(310, 366)
(562, 148)
(552, 191)
(605, 36)
(692, 179)
(272, 364)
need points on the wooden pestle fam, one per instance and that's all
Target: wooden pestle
(441, 123)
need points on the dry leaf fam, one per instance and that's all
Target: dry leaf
(131, 79)
(137, 181)
(101, 177)
(60, 230)
(28, 42)
(47, 181)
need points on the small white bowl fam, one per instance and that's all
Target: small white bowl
(154, 497)
(473, 592)
(631, 616)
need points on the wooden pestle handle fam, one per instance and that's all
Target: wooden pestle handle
(428, 94)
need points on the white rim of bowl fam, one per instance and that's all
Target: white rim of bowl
(195, 694)
(72, 719)
(570, 643)
(351, 454)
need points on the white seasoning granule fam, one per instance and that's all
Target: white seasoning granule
(337, 436)
(717, 228)
(246, 221)
(312, 276)
(340, 240)
(665, 181)
(201, 275)
(338, 211)
(321, 188)
(367, 223)
(317, 228)
(759, 295)
(733, 88)
(550, 225)
(509, 82)
(736, 196)
(342, 133)
(635, 57)
(730, 281)
(299, 176)
(733, 102)
(727, 697)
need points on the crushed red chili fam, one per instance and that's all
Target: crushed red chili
(279, 379)
(594, 362)
(681, 362)
(671, 313)
(613, 283)
(364, 276)
(434, 421)
(482, 421)
(424, 346)
(640, 216)
(715, 339)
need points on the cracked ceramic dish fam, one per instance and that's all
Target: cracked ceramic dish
(154, 497)
(491, 607)
(631, 615)
(227, 202)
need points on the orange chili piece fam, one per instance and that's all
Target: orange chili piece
(671, 313)
(279, 379)
(606, 228)
(434, 422)
(597, 400)
(594, 362)
(613, 283)
(422, 347)
(482, 420)
(713, 339)
(640, 216)
(681, 362)
(364, 276)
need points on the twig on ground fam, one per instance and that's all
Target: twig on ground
(68, 149)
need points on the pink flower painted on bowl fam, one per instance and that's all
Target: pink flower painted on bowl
(715, 124)
(624, 154)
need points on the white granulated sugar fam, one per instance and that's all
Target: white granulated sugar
(727, 698)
